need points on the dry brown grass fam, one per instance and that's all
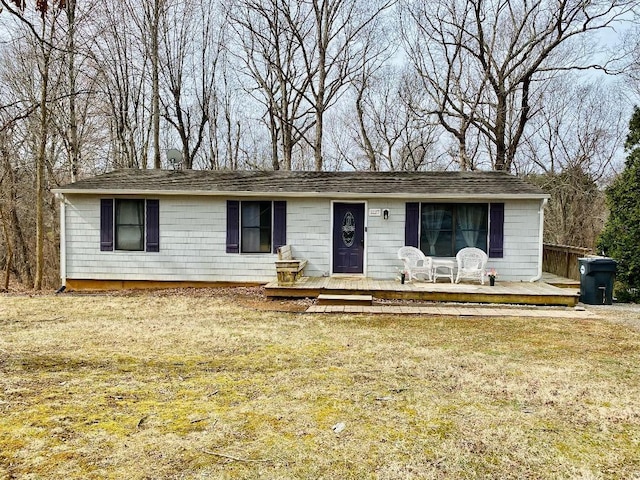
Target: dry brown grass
(153, 386)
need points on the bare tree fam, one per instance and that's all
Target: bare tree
(627, 51)
(576, 212)
(127, 54)
(581, 128)
(273, 61)
(332, 45)
(44, 70)
(389, 133)
(36, 46)
(154, 13)
(75, 115)
(503, 51)
(378, 46)
(122, 68)
(190, 51)
(434, 35)
(74, 149)
(12, 200)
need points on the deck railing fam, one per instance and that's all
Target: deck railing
(562, 260)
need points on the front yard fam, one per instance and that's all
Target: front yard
(194, 386)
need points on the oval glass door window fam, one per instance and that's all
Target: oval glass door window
(348, 229)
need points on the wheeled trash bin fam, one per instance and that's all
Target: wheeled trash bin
(596, 280)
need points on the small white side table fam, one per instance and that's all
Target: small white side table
(443, 267)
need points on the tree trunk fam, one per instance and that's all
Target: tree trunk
(236, 147)
(21, 252)
(231, 160)
(9, 253)
(155, 72)
(74, 148)
(40, 170)
(323, 39)
(523, 118)
(317, 146)
(21, 247)
(287, 146)
(366, 141)
(273, 128)
(463, 157)
(286, 123)
(40, 180)
(500, 132)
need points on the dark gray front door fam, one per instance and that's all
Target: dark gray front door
(348, 238)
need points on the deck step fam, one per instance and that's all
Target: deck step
(326, 299)
(566, 284)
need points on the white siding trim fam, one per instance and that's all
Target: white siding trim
(63, 241)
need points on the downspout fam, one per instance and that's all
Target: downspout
(63, 243)
(543, 203)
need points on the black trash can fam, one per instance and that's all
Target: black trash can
(596, 280)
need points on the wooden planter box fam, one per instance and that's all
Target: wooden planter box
(288, 268)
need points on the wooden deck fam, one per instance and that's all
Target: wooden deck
(525, 293)
(558, 281)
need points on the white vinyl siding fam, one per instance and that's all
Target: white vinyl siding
(193, 240)
(521, 240)
(522, 248)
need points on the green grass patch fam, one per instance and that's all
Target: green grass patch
(189, 387)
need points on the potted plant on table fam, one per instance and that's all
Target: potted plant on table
(492, 274)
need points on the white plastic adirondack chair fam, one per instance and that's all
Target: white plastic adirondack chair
(472, 263)
(415, 263)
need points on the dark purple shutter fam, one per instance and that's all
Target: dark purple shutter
(279, 225)
(411, 224)
(496, 230)
(233, 226)
(153, 225)
(106, 224)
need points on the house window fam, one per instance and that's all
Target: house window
(256, 227)
(445, 229)
(129, 225)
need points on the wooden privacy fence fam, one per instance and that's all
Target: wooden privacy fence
(562, 260)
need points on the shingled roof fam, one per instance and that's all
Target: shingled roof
(297, 184)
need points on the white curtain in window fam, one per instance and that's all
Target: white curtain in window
(130, 225)
(251, 240)
(470, 221)
(251, 227)
(250, 214)
(432, 216)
